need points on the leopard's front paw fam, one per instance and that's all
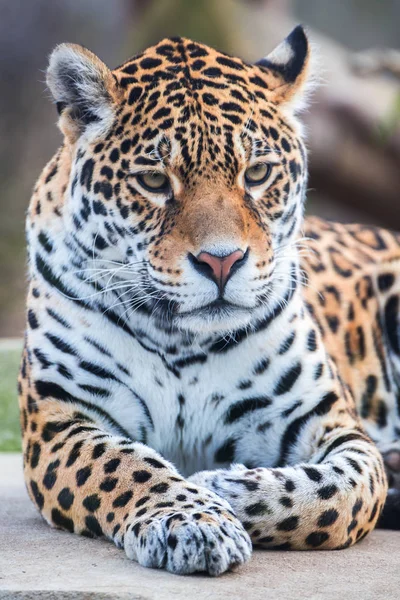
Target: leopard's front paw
(207, 538)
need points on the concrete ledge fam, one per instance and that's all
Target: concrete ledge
(37, 562)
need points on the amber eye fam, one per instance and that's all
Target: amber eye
(257, 174)
(154, 182)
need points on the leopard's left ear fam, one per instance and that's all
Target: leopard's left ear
(287, 70)
(84, 89)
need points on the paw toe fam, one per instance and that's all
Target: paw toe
(185, 543)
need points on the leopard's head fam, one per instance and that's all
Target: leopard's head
(188, 169)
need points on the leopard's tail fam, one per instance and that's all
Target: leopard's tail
(390, 517)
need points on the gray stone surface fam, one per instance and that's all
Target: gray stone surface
(37, 562)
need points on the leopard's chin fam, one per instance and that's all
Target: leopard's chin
(219, 316)
(222, 319)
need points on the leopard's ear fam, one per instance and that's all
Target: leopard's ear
(288, 71)
(84, 90)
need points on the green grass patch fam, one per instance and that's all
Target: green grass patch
(10, 433)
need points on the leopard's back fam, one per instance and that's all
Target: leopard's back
(352, 286)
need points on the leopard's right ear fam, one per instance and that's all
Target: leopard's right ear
(84, 89)
(291, 70)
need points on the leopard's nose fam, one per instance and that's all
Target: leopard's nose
(218, 268)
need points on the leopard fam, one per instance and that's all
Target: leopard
(205, 370)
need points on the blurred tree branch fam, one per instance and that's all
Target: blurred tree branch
(376, 61)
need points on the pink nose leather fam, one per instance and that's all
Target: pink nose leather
(220, 265)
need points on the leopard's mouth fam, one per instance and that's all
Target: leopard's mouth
(218, 316)
(217, 308)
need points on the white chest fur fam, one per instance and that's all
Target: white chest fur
(200, 407)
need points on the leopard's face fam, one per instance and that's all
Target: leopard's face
(197, 186)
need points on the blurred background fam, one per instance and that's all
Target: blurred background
(353, 123)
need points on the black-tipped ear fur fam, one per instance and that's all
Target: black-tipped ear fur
(289, 58)
(83, 88)
(288, 69)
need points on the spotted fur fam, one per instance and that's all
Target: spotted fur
(174, 416)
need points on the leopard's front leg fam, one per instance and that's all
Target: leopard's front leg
(85, 480)
(329, 502)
